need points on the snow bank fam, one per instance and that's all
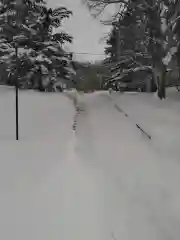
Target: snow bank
(41, 115)
(160, 119)
(29, 168)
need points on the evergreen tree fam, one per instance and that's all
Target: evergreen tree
(30, 26)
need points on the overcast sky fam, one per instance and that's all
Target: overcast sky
(86, 31)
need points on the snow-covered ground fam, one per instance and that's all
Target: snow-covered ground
(160, 119)
(41, 115)
(102, 182)
(29, 194)
(139, 188)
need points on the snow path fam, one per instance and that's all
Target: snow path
(46, 191)
(141, 190)
(104, 182)
(66, 202)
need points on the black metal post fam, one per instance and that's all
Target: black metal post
(16, 90)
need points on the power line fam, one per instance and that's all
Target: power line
(86, 53)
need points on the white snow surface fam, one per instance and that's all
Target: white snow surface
(140, 188)
(159, 118)
(105, 181)
(29, 168)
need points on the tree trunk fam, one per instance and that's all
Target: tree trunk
(161, 84)
(178, 73)
(178, 65)
(159, 73)
(153, 84)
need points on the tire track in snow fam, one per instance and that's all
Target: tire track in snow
(75, 119)
(82, 197)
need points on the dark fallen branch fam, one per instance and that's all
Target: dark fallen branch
(137, 125)
(147, 135)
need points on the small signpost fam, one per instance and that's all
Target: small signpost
(17, 40)
(17, 101)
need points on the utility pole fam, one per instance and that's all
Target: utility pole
(100, 81)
